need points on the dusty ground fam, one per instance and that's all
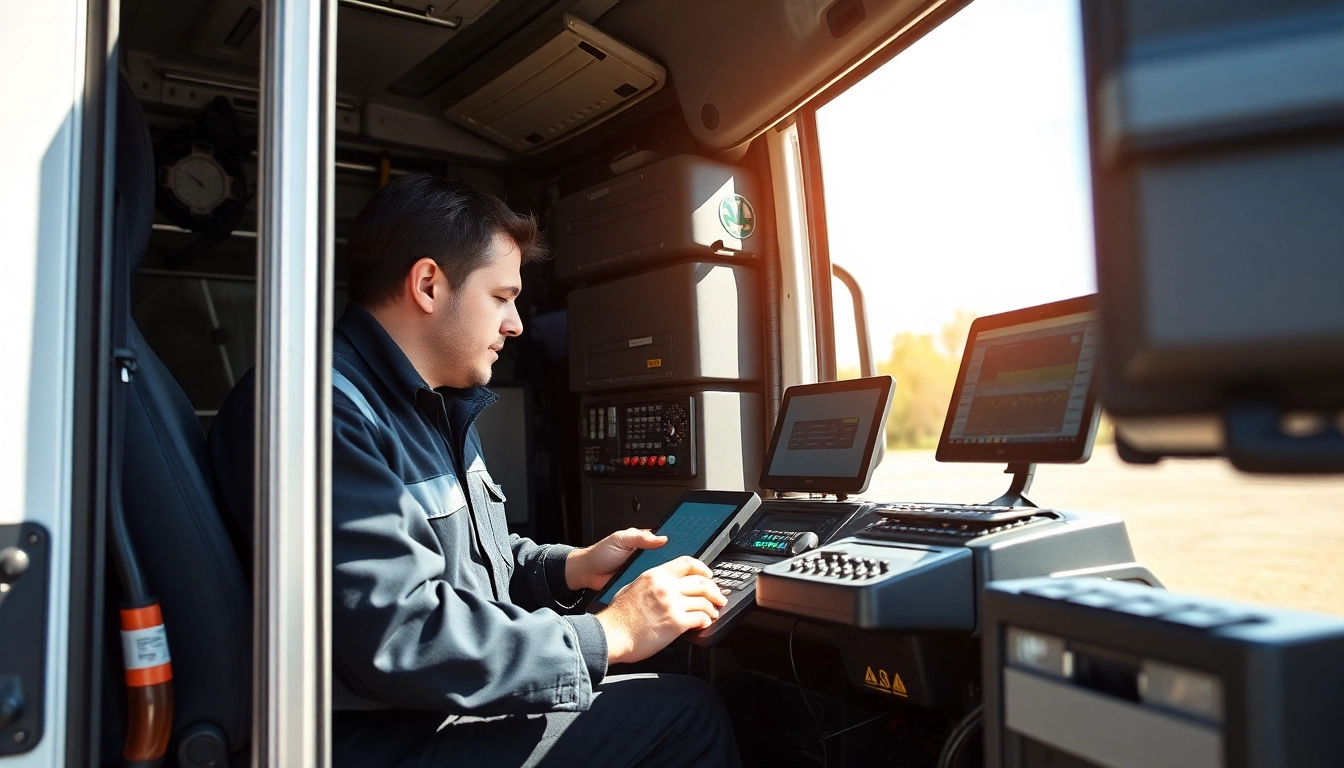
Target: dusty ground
(1198, 524)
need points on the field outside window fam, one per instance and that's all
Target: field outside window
(957, 185)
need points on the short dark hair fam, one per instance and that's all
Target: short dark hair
(412, 217)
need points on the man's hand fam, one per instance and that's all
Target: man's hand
(659, 605)
(592, 567)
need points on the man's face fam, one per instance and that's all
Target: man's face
(481, 314)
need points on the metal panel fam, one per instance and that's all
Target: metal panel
(1107, 731)
(294, 387)
(41, 170)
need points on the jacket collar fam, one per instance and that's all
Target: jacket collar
(389, 363)
(376, 347)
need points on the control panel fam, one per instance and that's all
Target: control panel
(918, 568)
(781, 529)
(647, 438)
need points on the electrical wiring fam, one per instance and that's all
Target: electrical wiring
(957, 739)
(825, 757)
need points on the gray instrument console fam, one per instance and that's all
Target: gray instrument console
(920, 568)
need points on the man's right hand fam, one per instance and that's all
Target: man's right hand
(659, 605)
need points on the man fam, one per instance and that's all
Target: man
(438, 610)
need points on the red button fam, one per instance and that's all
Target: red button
(643, 461)
(625, 461)
(662, 461)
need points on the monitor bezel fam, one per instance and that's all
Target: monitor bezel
(884, 385)
(1074, 451)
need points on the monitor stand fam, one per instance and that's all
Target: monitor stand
(1016, 495)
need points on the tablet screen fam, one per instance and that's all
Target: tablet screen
(692, 526)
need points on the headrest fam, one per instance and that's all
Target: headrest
(134, 209)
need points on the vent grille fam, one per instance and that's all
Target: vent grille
(564, 81)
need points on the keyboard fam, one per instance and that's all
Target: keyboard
(950, 521)
(735, 575)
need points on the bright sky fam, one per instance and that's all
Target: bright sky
(957, 174)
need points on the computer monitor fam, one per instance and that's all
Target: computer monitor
(1025, 392)
(827, 436)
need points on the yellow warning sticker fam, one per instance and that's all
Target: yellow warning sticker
(885, 683)
(654, 362)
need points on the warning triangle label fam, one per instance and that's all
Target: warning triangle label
(898, 687)
(885, 683)
(869, 678)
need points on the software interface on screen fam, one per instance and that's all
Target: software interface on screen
(688, 530)
(825, 435)
(1027, 383)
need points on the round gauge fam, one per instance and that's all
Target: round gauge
(198, 181)
(675, 426)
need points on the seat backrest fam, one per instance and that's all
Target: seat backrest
(184, 550)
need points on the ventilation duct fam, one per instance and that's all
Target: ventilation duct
(549, 85)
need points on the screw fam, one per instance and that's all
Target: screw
(20, 736)
(32, 538)
(429, 10)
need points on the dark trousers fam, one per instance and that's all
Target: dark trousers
(635, 720)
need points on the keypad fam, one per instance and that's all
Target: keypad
(732, 575)
(840, 566)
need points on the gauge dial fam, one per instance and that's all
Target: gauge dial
(675, 426)
(199, 182)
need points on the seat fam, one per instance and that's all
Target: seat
(184, 549)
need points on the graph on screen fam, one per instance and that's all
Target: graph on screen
(1027, 383)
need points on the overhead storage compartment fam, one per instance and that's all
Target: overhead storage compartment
(554, 83)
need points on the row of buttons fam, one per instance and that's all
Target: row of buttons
(838, 565)
(647, 461)
(644, 409)
(889, 528)
(732, 576)
(1160, 606)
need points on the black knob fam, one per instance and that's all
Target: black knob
(803, 543)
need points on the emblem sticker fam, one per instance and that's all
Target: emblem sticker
(737, 216)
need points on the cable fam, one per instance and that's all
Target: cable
(833, 734)
(825, 757)
(957, 739)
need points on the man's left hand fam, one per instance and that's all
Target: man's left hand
(592, 567)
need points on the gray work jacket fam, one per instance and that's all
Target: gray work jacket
(436, 605)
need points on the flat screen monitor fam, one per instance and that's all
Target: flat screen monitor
(827, 436)
(1026, 390)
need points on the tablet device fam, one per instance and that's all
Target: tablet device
(1026, 391)
(827, 436)
(700, 524)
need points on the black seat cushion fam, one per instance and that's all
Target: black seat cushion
(182, 544)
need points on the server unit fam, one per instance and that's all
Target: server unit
(670, 330)
(683, 206)
(684, 323)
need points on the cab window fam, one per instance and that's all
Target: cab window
(994, 212)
